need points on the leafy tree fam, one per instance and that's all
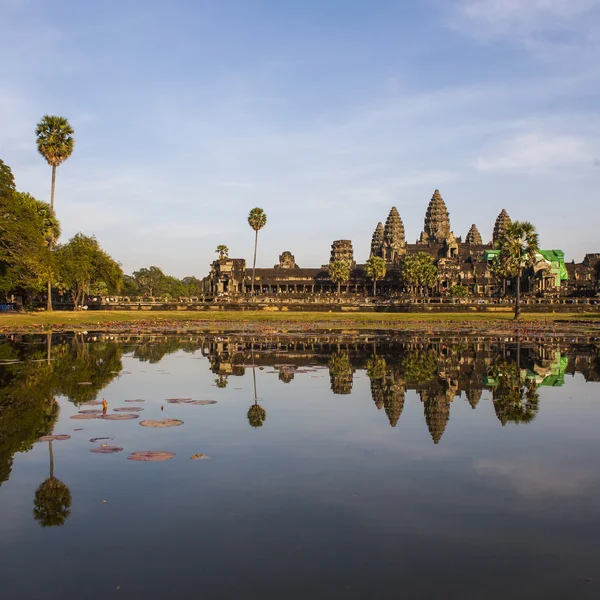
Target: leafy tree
(518, 246)
(341, 373)
(83, 263)
(459, 291)
(257, 415)
(420, 365)
(339, 272)
(27, 227)
(52, 500)
(174, 287)
(222, 251)
(375, 269)
(418, 270)
(515, 400)
(193, 286)
(257, 219)
(130, 286)
(376, 366)
(55, 142)
(151, 281)
(7, 180)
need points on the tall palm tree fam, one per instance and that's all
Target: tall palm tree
(256, 413)
(52, 500)
(222, 251)
(257, 219)
(518, 246)
(339, 272)
(55, 142)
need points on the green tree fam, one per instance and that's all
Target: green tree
(55, 142)
(222, 251)
(130, 286)
(518, 247)
(27, 227)
(83, 263)
(7, 180)
(52, 500)
(458, 291)
(339, 272)
(193, 286)
(151, 281)
(515, 399)
(375, 269)
(257, 219)
(419, 271)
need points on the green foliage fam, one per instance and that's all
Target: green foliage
(223, 251)
(257, 219)
(7, 180)
(257, 415)
(376, 367)
(130, 286)
(515, 400)
(459, 291)
(82, 263)
(418, 270)
(27, 227)
(52, 503)
(150, 281)
(518, 246)
(341, 373)
(193, 286)
(420, 365)
(375, 270)
(54, 139)
(339, 272)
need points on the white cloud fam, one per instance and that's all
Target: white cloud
(532, 478)
(537, 153)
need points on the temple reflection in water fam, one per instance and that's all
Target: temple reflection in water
(36, 369)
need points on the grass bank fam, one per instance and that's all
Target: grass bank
(130, 320)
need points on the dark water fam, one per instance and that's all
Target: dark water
(401, 469)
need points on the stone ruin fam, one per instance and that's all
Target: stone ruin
(286, 261)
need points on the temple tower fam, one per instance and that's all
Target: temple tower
(394, 241)
(437, 221)
(436, 406)
(474, 237)
(501, 222)
(377, 241)
(342, 250)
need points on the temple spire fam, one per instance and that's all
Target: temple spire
(394, 241)
(437, 220)
(377, 241)
(474, 237)
(501, 222)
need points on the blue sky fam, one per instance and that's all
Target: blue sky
(323, 112)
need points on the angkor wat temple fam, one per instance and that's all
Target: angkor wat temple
(459, 263)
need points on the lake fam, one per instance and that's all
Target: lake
(340, 466)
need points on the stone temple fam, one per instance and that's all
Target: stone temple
(459, 263)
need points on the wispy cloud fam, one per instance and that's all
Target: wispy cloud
(536, 153)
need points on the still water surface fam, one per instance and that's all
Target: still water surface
(331, 470)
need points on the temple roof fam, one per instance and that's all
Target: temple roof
(437, 220)
(501, 222)
(474, 237)
(393, 232)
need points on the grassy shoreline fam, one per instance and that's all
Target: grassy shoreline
(161, 320)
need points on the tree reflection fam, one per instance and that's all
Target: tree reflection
(341, 372)
(257, 415)
(52, 500)
(516, 399)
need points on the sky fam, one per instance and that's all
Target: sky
(325, 113)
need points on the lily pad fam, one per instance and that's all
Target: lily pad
(92, 403)
(106, 449)
(51, 438)
(178, 400)
(86, 417)
(90, 411)
(151, 455)
(119, 417)
(127, 409)
(99, 439)
(199, 457)
(138, 400)
(190, 401)
(163, 423)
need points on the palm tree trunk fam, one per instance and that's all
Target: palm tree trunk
(339, 289)
(518, 298)
(374, 287)
(49, 300)
(254, 376)
(48, 347)
(254, 263)
(52, 188)
(51, 460)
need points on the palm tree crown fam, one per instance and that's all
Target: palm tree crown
(55, 140)
(257, 219)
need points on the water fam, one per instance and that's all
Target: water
(362, 470)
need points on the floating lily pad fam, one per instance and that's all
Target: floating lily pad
(92, 403)
(86, 416)
(151, 455)
(190, 401)
(90, 411)
(99, 439)
(50, 438)
(62, 436)
(78, 429)
(127, 409)
(106, 449)
(138, 400)
(119, 417)
(163, 423)
(199, 457)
